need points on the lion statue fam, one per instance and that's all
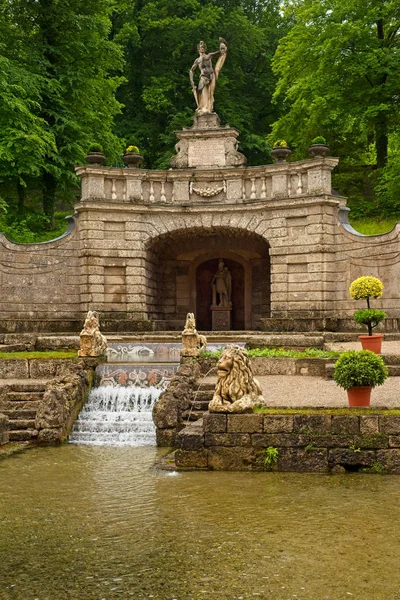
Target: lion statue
(236, 390)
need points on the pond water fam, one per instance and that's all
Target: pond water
(94, 523)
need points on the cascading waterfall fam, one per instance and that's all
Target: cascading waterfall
(117, 416)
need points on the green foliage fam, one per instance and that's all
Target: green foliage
(280, 144)
(366, 287)
(370, 317)
(271, 457)
(372, 226)
(95, 148)
(33, 228)
(45, 354)
(132, 150)
(376, 467)
(279, 353)
(319, 140)
(359, 368)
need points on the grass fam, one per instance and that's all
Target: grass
(46, 354)
(373, 226)
(280, 353)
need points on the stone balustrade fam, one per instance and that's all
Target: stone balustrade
(199, 186)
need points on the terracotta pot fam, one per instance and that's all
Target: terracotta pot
(359, 396)
(96, 159)
(280, 154)
(132, 160)
(318, 150)
(372, 342)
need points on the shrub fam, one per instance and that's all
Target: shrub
(132, 150)
(319, 140)
(95, 148)
(280, 144)
(359, 368)
(369, 317)
(366, 287)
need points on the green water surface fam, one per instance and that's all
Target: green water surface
(100, 523)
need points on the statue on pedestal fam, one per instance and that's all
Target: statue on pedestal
(204, 92)
(222, 286)
(192, 342)
(92, 342)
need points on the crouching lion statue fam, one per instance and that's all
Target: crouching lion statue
(236, 391)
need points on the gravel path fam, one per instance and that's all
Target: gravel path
(392, 347)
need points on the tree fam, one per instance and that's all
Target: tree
(63, 52)
(339, 76)
(159, 38)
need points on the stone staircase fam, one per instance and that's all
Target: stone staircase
(20, 404)
(199, 405)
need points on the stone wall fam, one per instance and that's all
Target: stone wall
(318, 441)
(4, 435)
(140, 235)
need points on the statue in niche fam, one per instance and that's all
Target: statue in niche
(204, 92)
(222, 286)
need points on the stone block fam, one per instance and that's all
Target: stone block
(221, 458)
(190, 438)
(195, 459)
(330, 441)
(166, 437)
(165, 411)
(50, 436)
(346, 425)
(369, 425)
(377, 440)
(247, 423)
(4, 427)
(227, 439)
(278, 423)
(263, 440)
(312, 423)
(389, 459)
(389, 425)
(14, 369)
(302, 460)
(394, 441)
(351, 458)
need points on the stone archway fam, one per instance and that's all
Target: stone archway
(180, 268)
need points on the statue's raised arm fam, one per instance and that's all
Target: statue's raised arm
(204, 91)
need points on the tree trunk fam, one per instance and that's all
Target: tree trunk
(381, 141)
(49, 184)
(21, 189)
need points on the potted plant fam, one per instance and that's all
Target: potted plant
(95, 155)
(358, 371)
(132, 157)
(319, 148)
(368, 287)
(281, 151)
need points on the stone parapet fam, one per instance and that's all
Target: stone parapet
(317, 440)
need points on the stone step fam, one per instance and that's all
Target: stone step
(193, 415)
(204, 394)
(28, 385)
(16, 406)
(394, 370)
(20, 414)
(22, 435)
(26, 396)
(201, 404)
(19, 424)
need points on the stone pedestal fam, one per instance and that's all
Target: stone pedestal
(190, 345)
(221, 318)
(207, 145)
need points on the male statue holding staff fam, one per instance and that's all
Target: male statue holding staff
(204, 92)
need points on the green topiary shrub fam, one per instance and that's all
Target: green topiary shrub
(359, 368)
(367, 287)
(95, 148)
(319, 140)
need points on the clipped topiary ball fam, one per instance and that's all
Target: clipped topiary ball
(359, 368)
(365, 287)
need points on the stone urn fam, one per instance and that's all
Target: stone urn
(280, 154)
(96, 159)
(132, 160)
(318, 150)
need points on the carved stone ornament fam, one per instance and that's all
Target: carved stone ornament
(92, 342)
(192, 342)
(236, 390)
(207, 192)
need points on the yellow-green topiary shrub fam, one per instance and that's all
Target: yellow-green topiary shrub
(366, 287)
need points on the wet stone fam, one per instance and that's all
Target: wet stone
(302, 460)
(221, 458)
(191, 459)
(245, 423)
(278, 423)
(349, 457)
(312, 423)
(227, 439)
(347, 425)
(389, 459)
(215, 423)
(166, 437)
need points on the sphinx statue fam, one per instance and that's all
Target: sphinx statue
(236, 391)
